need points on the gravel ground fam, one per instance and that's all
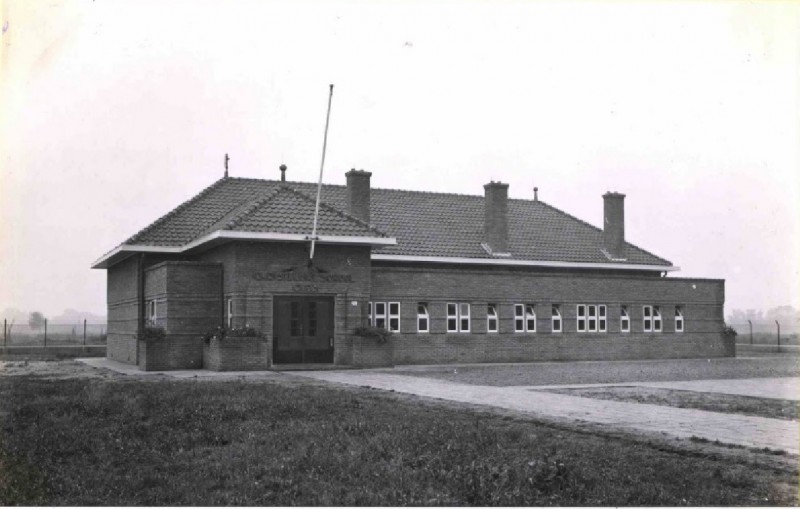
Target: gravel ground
(565, 373)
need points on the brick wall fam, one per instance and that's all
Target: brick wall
(246, 264)
(237, 354)
(700, 300)
(188, 297)
(123, 311)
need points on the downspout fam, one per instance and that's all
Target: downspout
(222, 295)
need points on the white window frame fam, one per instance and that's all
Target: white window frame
(492, 317)
(464, 317)
(423, 314)
(524, 318)
(679, 319)
(657, 319)
(602, 318)
(624, 319)
(393, 321)
(152, 311)
(580, 316)
(458, 311)
(229, 312)
(376, 315)
(591, 317)
(647, 318)
(555, 318)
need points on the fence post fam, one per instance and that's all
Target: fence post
(751, 331)
(779, 335)
(5, 331)
(45, 332)
(84, 332)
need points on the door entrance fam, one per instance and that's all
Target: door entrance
(302, 330)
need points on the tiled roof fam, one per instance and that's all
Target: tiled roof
(424, 224)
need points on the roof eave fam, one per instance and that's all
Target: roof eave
(523, 263)
(212, 239)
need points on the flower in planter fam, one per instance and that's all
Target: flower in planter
(220, 333)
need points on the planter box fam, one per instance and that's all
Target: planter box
(236, 354)
(369, 353)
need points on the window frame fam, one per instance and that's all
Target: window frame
(657, 322)
(602, 318)
(152, 311)
(647, 318)
(624, 319)
(679, 319)
(458, 315)
(423, 316)
(580, 316)
(392, 317)
(556, 318)
(492, 316)
(229, 312)
(524, 314)
(380, 316)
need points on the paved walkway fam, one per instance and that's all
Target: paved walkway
(678, 422)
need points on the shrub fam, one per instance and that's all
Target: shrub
(728, 332)
(220, 333)
(378, 333)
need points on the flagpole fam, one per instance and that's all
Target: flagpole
(319, 183)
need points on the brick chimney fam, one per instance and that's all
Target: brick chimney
(614, 224)
(358, 193)
(495, 226)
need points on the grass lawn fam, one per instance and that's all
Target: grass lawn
(133, 442)
(716, 402)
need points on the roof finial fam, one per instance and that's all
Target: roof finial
(283, 172)
(226, 164)
(535, 194)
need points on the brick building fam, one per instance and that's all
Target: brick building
(456, 278)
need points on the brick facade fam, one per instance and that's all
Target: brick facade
(191, 298)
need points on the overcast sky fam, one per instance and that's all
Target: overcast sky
(112, 113)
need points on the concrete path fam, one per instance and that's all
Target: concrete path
(678, 422)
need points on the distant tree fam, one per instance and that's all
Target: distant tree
(36, 320)
(784, 314)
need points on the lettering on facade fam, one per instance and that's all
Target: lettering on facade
(305, 277)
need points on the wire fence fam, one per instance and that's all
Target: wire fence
(767, 332)
(54, 334)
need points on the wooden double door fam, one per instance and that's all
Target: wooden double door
(302, 330)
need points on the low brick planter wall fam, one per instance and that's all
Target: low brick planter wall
(369, 353)
(236, 354)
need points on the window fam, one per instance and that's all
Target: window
(464, 315)
(491, 318)
(678, 319)
(524, 318)
(457, 317)
(656, 319)
(592, 318)
(652, 318)
(151, 311)
(556, 318)
(394, 316)
(581, 318)
(379, 315)
(601, 318)
(229, 313)
(423, 318)
(624, 319)
(369, 314)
